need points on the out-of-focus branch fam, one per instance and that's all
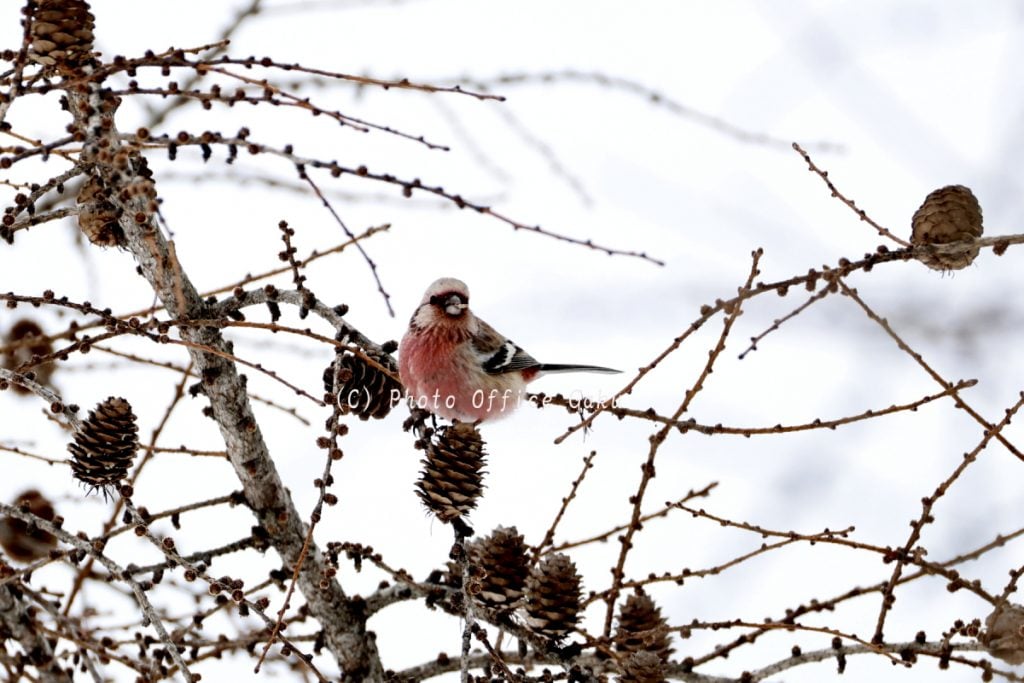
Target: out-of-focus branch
(652, 96)
(17, 620)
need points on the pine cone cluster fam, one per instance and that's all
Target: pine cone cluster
(949, 214)
(504, 566)
(97, 216)
(1004, 633)
(105, 445)
(363, 389)
(26, 542)
(25, 342)
(452, 476)
(642, 628)
(553, 593)
(61, 32)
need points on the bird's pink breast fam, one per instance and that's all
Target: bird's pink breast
(441, 374)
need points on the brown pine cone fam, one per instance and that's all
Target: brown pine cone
(553, 597)
(1004, 633)
(26, 542)
(24, 341)
(97, 216)
(105, 445)
(452, 476)
(643, 666)
(949, 214)
(642, 628)
(504, 567)
(363, 389)
(61, 32)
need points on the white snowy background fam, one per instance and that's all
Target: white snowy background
(910, 95)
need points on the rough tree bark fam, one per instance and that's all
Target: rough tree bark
(342, 618)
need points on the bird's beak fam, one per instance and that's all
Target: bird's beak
(453, 306)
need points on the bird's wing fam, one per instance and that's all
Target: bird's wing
(498, 354)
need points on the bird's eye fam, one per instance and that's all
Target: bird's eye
(443, 300)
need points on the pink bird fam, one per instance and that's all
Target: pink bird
(457, 366)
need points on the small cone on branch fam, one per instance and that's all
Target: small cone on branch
(1004, 633)
(97, 216)
(61, 32)
(452, 476)
(363, 389)
(643, 666)
(642, 628)
(26, 542)
(949, 214)
(24, 341)
(443, 588)
(504, 567)
(553, 597)
(105, 445)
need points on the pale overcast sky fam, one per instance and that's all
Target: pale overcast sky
(895, 99)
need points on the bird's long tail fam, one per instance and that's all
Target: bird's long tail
(556, 367)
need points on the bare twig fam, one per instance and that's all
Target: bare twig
(657, 440)
(861, 213)
(549, 535)
(352, 238)
(884, 324)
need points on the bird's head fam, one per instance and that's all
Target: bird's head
(445, 301)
